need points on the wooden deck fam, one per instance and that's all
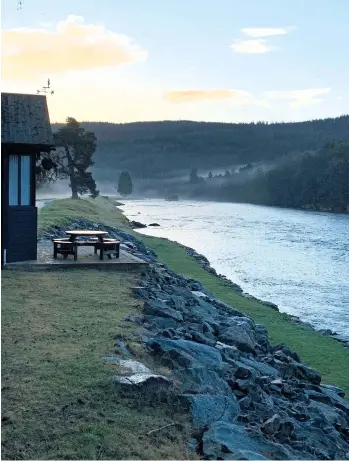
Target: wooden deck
(86, 259)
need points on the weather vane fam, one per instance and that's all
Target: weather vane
(45, 89)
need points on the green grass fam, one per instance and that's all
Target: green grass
(62, 212)
(58, 401)
(323, 353)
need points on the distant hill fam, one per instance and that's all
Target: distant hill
(153, 149)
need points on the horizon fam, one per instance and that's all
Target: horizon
(221, 62)
(205, 121)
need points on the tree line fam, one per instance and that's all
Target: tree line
(316, 181)
(159, 149)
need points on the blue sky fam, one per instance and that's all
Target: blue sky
(220, 60)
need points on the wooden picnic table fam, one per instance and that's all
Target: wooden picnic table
(74, 234)
(69, 246)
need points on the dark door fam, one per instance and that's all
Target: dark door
(21, 227)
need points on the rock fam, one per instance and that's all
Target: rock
(303, 372)
(336, 400)
(226, 439)
(199, 294)
(154, 224)
(202, 339)
(245, 454)
(181, 353)
(335, 389)
(326, 332)
(328, 413)
(237, 335)
(135, 375)
(137, 225)
(207, 409)
(147, 383)
(318, 396)
(160, 323)
(271, 305)
(161, 309)
(263, 368)
(200, 381)
(203, 310)
(272, 425)
(177, 302)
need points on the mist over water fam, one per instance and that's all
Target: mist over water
(296, 259)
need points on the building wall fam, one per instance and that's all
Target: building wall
(22, 234)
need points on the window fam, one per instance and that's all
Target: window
(19, 180)
(13, 180)
(25, 180)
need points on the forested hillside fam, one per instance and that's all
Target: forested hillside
(314, 181)
(153, 149)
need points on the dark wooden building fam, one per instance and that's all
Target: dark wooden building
(25, 135)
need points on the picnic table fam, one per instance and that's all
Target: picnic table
(74, 234)
(69, 246)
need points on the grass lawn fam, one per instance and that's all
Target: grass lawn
(58, 401)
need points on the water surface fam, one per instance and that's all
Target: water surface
(296, 259)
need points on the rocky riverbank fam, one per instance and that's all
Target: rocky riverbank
(205, 264)
(247, 398)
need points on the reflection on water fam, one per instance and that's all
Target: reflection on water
(299, 260)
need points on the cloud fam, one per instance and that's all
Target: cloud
(299, 97)
(239, 97)
(74, 45)
(258, 46)
(257, 32)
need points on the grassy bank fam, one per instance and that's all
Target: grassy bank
(57, 398)
(323, 353)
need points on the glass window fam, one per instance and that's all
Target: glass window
(25, 180)
(13, 180)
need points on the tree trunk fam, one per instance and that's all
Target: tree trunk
(73, 185)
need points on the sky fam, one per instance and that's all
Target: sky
(207, 60)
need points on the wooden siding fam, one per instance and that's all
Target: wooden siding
(22, 234)
(25, 120)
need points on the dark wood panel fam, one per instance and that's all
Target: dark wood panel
(22, 234)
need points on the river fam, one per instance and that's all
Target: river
(296, 259)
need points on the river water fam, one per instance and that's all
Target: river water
(296, 259)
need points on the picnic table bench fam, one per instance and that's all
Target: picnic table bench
(69, 246)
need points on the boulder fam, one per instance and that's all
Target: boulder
(134, 375)
(223, 440)
(198, 380)
(304, 372)
(161, 309)
(239, 335)
(335, 389)
(207, 409)
(263, 368)
(180, 352)
(336, 400)
(272, 425)
(137, 225)
(160, 323)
